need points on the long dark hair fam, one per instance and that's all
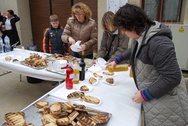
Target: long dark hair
(132, 18)
(11, 12)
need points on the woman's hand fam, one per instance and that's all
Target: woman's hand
(3, 28)
(83, 47)
(71, 40)
(137, 98)
(113, 64)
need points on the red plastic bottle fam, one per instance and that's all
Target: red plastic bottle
(69, 77)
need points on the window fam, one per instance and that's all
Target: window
(163, 10)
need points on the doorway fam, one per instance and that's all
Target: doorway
(40, 10)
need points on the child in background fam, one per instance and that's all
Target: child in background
(52, 42)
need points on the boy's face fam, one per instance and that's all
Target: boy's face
(54, 24)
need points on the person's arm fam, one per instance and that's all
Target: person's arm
(93, 37)
(45, 41)
(124, 56)
(66, 35)
(123, 41)
(1, 17)
(16, 18)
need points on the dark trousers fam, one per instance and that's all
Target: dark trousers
(75, 54)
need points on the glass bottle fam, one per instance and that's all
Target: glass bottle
(76, 73)
(69, 77)
(82, 67)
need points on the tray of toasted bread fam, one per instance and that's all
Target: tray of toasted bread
(61, 57)
(35, 61)
(52, 111)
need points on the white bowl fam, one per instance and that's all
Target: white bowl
(58, 64)
(62, 63)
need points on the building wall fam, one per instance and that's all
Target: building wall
(102, 7)
(185, 13)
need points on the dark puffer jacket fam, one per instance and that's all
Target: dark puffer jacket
(155, 68)
(52, 42)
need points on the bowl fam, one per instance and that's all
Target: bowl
(62, 63)
(59, 64)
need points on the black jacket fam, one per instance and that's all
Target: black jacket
(13, 34)
(52, 42)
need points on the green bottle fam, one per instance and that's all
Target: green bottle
(82, 67)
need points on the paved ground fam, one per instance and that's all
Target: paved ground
(16, 95)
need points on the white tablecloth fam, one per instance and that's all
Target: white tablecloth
(115, 99)
(25, 70)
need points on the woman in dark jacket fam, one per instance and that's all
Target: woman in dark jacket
(8, 28)
(157, 75)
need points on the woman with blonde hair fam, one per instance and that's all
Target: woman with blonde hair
(113, 41)
(81, 27)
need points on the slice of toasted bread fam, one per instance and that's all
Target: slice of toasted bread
(75, 95)
(92, 80)
(73, 115)
(84, 88)
(55, 108)
(100, 118)
(90, 99)
(51, 124)
(79, 107)
(67, 107)
(41, 104)
(63, 121)
(44, 110)
(110, 80)
(85, 121)
(108, 73)
(97, 75)
(48, 118)
(15, 119)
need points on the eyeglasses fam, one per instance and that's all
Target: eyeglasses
(78, 14)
